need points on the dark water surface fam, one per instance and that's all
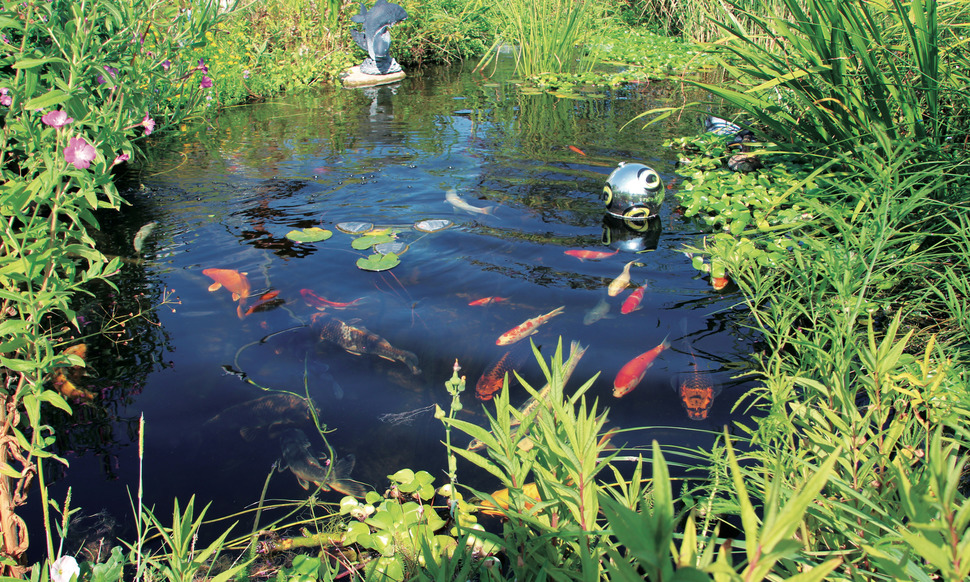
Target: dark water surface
(225, 197)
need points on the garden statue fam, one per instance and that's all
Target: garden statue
(376, 37)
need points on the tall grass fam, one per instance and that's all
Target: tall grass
(547, 36)
(836, 75)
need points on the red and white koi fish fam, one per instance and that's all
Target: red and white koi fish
(487, 301)
(583, 254)
(526, 328)
(632, 372)
(320, 303)
(632, 303)
(621, 282)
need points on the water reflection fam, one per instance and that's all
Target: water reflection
(226, 197)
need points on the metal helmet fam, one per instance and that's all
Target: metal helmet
(633, 192)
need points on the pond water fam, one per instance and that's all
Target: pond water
(226, 196)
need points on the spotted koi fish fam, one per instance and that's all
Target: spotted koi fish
(358, 340)
(493, 379)
(526, 328)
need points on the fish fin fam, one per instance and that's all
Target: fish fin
(348, 487)
(303, 482)
(215, 286)
(235, 296)
(247, 433)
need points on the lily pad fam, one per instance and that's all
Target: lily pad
(378, 262)
(354, 227)
(395, 247)
(366, 242)
(309, 235)
(433, 225)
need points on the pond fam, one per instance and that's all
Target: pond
(226, 196)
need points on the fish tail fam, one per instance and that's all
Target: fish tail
(340, 477)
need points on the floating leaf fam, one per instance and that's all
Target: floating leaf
(309, 235)
(366, 242)
(354, 227)
(142, 234)
(432, 225)
(378, 262)
(395, 247)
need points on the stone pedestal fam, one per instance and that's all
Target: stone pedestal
(354, 78)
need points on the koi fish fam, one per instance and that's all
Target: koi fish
(495, 375)
(577, 150)
(632, 372)
(501, 497)
(452, 197)
(298, 457)
(621, 282)
(320, 303)
(261, 303)
(583, 254)
(719, 283)
(270, 412)
(487, 301)
(526, 328)
(632, 303)
(697, 391)
(358, 340)
(597, 312)
(234, 282)
(65, 379)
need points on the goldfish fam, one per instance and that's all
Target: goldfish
(632, 303)
(577, 150)
(697, 391)
(583, 254)
(487, 301)
(501, 497)
(526, 328)
(320, 303)
(358, 340)
(452, 197)
(621, 282)
(632, 372)
(234, 282)
(299, 458)
(494, 377)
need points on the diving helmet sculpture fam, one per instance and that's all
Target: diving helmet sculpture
(633, 193)
(376, 37)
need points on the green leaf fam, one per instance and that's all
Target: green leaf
(309, 235)
(366, 242)
(31, 63)
(378, 262)
(49, 99)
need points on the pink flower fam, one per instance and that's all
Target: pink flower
(166, 65)
(56, 119)
(202, 67)
(5, 99)
(80, 153)
(119, 159)
(111, 71)
(206, 82)
(149, 124)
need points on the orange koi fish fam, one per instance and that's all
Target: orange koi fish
(234, 282)
(64, 379)
(632, 372)
(494, 377)
(263, 300)
(719, 283)
(526, 328)
(632, 303)
(320, 303)
(577, 150)
(582, 254)
(697, 391)
(621, 282)
(487, 300)
(502, 499)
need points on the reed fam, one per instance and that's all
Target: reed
(547, 36)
